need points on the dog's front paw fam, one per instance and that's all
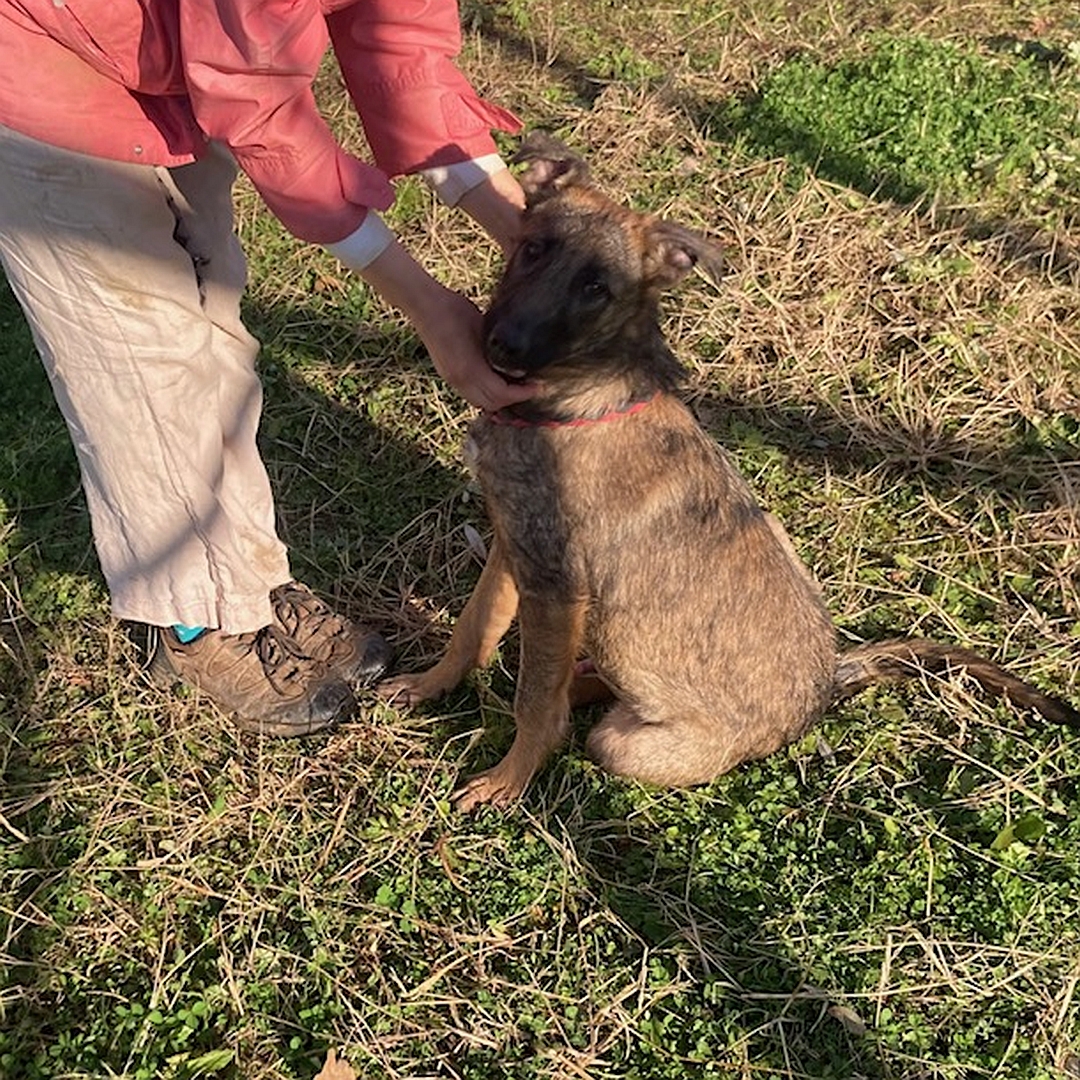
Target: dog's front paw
(497, 787)
(405, 691)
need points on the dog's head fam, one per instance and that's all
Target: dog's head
(581, 289)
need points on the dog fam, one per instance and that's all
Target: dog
(634, 555)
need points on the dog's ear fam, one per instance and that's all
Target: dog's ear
(552, 166)
(672, 251)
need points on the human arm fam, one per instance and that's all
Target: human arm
(448, 324)
(250, 65)
(496, 204)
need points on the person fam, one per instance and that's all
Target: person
(122, 124)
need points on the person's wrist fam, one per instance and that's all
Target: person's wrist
(402, 282)
(362, 247)
(431, 307)
(451, 183)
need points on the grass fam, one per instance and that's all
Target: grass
(913, 117)
(893, 361)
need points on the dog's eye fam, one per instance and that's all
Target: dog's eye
(531, 250)
(594, 289)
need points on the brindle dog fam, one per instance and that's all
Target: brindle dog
(623, 533)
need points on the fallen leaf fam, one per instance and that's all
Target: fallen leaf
(476, 543)
(852, 1021)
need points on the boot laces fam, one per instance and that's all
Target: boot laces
(281, 657)
(303, 615)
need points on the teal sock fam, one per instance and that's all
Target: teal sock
(187, 634)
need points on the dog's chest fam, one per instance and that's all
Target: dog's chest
(519, 470)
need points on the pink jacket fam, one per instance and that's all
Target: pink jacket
(151, 80)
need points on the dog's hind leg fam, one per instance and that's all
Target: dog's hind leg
(486, 617)
(665, 753)
(551, 633)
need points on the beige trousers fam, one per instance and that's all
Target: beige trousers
(130, 277)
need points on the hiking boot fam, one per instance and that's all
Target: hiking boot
(350, 651)
(264, 678)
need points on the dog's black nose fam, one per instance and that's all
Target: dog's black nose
(504, 343)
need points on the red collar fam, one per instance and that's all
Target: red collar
(501, 416)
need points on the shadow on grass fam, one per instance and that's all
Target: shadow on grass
(1022, 468)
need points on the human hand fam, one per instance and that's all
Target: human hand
(452, 332)
(448, 324)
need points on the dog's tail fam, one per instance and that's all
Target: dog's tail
(908, 658)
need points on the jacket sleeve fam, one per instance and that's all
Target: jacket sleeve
(249, 67)
(419, 112)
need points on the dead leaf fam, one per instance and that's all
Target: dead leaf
(852, 1021)
(448, 859)
(334, 1069)
(476, 543)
